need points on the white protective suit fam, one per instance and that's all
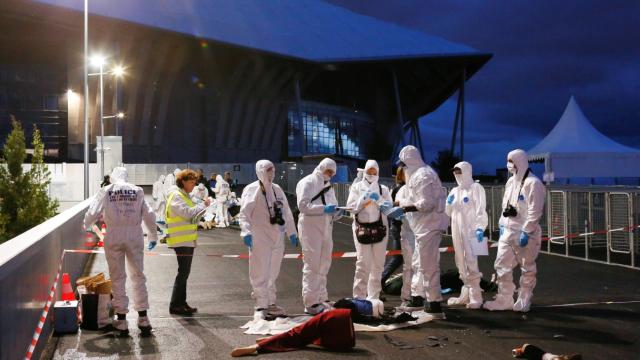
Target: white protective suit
(316, 230)
(159, 201)
(170, 183)
(370, 257)
(222, 191)
(468, 214)
(267, 251)
(527, 195)
(425, 192)
(199, 193)
(412, 279)
(359, 176)
(124, 210)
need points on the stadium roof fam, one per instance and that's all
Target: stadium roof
(305, 29)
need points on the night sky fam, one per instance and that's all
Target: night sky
(544, 52)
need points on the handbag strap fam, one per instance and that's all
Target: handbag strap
(321, 194)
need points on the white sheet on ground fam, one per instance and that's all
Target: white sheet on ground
(280, 325)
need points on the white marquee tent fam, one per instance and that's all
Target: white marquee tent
(576, 149)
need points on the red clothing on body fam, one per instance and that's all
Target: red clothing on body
(332, 330)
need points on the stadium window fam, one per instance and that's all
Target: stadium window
(51, 102)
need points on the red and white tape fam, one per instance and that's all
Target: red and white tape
(591, 233)
(335, 255)
(45, 311)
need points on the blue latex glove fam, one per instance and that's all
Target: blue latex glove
(329, 209)
(396, 213)
(293, 239)
(152, 244)
(480, 235)
(374, 196)
(248, 240)
(501, 230)
(450, 199)
(386, 206)
(524, 239)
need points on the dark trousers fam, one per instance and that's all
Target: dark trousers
(185, 257)
(392, 263)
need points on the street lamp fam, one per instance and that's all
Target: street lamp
(119, 115)
(118, 71)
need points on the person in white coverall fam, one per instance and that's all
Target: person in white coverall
(124, 210)
(317, 203)
(159, 201)
(359, 176)
(367, 200)
(412, 292)
(169, 185)
(199, 193)
(222, 192)
(520, 235)
(466, 206)
(264, 218)
(425, 199)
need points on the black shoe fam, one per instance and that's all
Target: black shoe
(182, 310)
(190, 309)
(416, 303)
(434, 309)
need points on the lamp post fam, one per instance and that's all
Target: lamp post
(118, 71)
(99, 61)
(86, 100)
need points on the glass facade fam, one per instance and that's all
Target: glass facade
(327, 130)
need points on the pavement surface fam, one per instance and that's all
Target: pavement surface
(221, 291)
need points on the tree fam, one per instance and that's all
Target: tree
(444, 163)
(25, 202)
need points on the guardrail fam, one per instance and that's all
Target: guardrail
(28, 266)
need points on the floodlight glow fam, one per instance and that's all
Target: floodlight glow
(120, 115)
(118, 70)
(69, 92)
(97, 60)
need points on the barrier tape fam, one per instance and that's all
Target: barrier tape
(591, 233)
(335, 255)
(45, 311)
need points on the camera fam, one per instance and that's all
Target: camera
(277, 214)
(510, 211)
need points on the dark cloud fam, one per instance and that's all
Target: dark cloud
(544, 52)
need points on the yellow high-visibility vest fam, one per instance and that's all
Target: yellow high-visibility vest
(179, 229)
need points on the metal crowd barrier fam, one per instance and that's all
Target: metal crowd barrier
(598, 224)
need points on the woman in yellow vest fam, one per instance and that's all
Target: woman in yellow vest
(182, 232)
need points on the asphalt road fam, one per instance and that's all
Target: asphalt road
(220, 289)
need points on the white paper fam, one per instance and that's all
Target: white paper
(480, 248)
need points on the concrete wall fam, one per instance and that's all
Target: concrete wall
(28, 267)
